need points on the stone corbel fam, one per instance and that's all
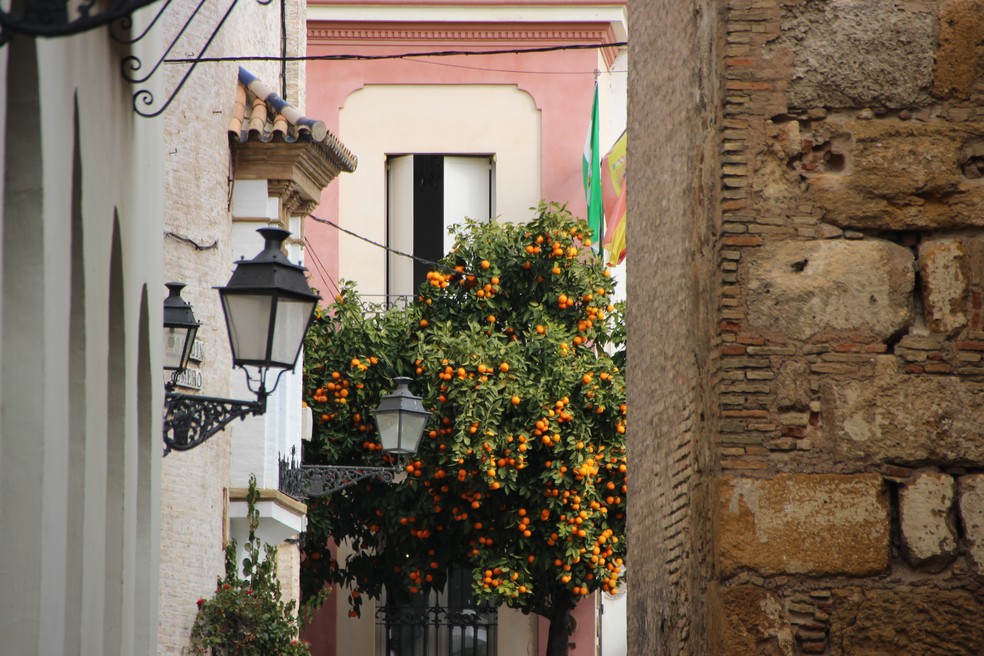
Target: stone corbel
(293, 200)
(295, 172)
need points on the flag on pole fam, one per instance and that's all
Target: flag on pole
(591, 169)
(613, 187)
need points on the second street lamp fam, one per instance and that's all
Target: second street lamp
(180, 329)
(400, 417)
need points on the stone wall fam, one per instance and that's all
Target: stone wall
(847, 455)
(671, 324)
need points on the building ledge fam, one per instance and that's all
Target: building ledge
(281, 517)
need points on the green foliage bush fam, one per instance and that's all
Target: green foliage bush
(247, 616)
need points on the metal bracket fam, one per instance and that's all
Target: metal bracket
(53, 18)
(305, 481)
(190, 419)
(143, 99)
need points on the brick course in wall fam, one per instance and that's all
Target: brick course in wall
(842, 435)
(671, 323)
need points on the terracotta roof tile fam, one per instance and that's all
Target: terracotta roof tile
(259, 114)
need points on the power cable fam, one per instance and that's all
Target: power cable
(415, 258)
(405, 55)
(322, 270)
(326, 279)
(519, 72)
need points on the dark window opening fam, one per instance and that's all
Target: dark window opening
(449, 623)
(426, 196)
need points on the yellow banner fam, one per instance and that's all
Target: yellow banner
(613, 196)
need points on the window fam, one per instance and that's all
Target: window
(426, 195)
(450, 623)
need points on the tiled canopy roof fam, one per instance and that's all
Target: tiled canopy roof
(260, 115)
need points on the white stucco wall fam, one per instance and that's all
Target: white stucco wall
(80, 425)
(437, 119)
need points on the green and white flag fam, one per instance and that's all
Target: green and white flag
(591, 168)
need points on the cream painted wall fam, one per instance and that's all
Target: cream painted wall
(438, 119)
(80, 401)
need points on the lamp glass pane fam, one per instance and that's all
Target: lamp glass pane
(413, 427)
(389, 430)
(174, 347)
(248, 319)
(288, 334)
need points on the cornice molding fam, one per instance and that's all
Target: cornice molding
(370, 33)
(374, 32)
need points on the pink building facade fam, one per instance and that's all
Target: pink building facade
(525, 113)
(559, 83)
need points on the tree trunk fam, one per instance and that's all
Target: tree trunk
(559, 632)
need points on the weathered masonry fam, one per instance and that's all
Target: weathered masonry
(807, 372)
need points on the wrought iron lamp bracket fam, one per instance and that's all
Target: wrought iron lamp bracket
(143, 99)
(56, 18)
(307, 481)
(190, 419)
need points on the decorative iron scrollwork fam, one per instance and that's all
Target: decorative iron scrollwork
(143, 99)
(190, 419)
(305, 481)
(51, 18)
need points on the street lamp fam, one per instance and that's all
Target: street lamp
(180, 328)
(400, 417)
(268, 307)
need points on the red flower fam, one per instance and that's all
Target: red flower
(250, 591)
(200, 602)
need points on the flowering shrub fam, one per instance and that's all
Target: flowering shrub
(247, 615)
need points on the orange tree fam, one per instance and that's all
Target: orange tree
(520, 476)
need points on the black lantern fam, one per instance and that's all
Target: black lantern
(268, 307)
(180, 328)
(400, 417)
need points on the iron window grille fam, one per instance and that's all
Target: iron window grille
(449, 623)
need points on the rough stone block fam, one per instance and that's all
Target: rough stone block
(803, 288)
(959, 58)
(753, 623)
(944, 284)
(870, 191)
(929, 540)
(804, 524)
(910, 620)
(971, 504)
(908, 420)
(865, 53)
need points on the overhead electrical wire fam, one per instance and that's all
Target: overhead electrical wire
(404, 55)
(517, 71)
(322, 270)
(415, 258)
